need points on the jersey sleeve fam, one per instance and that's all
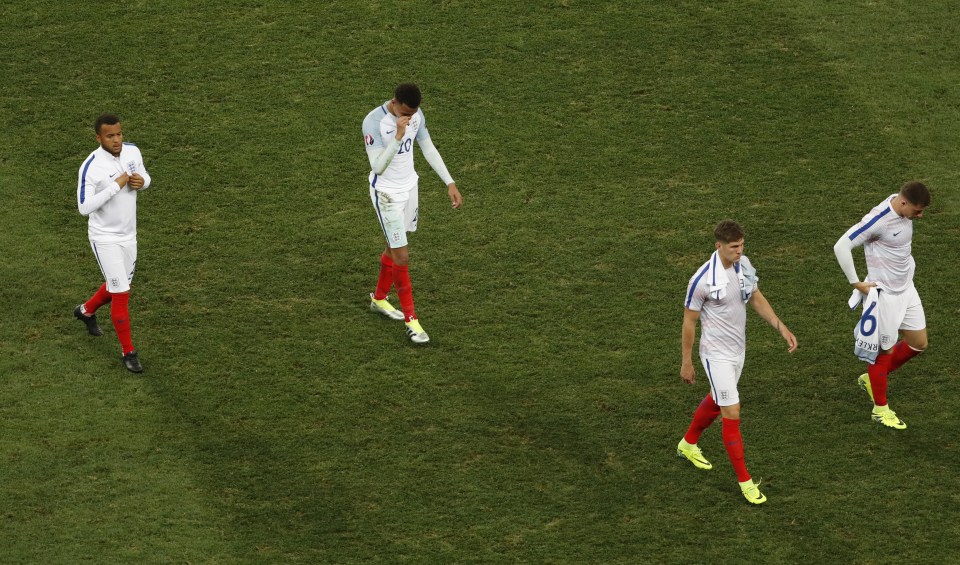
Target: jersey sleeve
(379, 154)
(371, 133)
(94, 188)
(866, 229)
(422, 133)
(141, 169)
(696, 292)
(432, 156)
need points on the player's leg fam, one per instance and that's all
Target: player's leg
(378, 298)
(401, 270)
(86, 312)
(733, 440)
(703, 416)
(120, 315)
(890, 313)
(396, 230)
(119, 272)
(914, 331)
(99, 298)
(914, 343)
(401, 254)
(723, 381)
(401, 280)
(387, 217)
(385, 278)
(723, 386)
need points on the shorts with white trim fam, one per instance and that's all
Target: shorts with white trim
(724, 376)
(897, 312)
(117, 262)
(398, 214)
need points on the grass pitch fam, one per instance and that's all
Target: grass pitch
(596, 145)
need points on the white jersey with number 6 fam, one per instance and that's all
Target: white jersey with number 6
(887, 240)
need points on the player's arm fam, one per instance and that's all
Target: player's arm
(380, 157)
(687, 335)
(843, 249)
(763, 308)
(433, 157)
(89, 200)
(379, 153)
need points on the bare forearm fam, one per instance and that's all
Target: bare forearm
(686, 341)
(764, 310)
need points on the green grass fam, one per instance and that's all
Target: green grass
(596, 145)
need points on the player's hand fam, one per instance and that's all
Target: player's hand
(687, 373)
(402, 126)
(863, 287)
(136, 181)
(455, 199)
(122, 180)
(789, 338)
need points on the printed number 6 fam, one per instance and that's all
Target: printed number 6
(867, 318)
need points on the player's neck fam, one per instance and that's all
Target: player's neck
(897, 206)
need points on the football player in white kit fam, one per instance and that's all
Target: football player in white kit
(886, 234)
(717, 296)
(107, 188)
(389, 131)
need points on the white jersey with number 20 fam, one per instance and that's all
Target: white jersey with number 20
(379, 127)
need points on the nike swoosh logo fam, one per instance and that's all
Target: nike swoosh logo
(391, 131)
(898, 233)
(113, 175)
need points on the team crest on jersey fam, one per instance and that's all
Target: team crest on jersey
(368, 139)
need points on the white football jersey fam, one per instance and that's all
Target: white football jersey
(723, 322)
(379, 127)
(112, 210)
(887, 240)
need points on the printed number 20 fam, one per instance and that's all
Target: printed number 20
(405, 146)
(867, 318)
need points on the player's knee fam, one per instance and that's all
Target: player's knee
(400, 257)
(917, 341)
(730, 412)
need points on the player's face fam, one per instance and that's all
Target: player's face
(912, 211)
(402, 110)
(111, 138)
(730, 252)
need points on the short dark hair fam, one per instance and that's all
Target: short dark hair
(108, 119)
(409, 94)
(728, 231)
(916, 193)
